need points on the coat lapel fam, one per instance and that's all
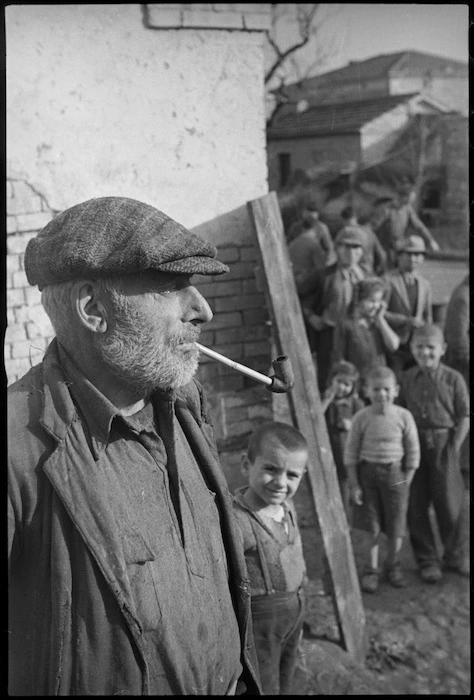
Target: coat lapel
(401, 290)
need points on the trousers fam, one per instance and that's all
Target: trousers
(277, 621)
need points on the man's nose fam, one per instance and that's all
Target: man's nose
(197, 308)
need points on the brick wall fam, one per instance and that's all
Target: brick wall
(241, 331)
(28, 328)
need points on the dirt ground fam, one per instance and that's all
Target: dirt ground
(418, 637)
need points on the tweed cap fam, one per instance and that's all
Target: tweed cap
(411, 244)
(350, 235)
(115, 235)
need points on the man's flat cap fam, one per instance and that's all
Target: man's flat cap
(411, 244)
(115, 235)
(351, 236)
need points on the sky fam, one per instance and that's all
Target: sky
(356, 31)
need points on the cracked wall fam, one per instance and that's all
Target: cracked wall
(100, 104)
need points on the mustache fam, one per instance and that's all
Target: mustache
(189, 335)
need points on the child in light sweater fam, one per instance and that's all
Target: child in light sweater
(381, 455)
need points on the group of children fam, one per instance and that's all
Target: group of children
(396, 429)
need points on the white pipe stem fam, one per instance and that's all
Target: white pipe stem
(235, 365)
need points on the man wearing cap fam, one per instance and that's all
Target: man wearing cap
(126, 571)
(399, 221)
(409, 300)
(311, 251)
(329, 303)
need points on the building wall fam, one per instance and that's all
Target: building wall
(163, 103)
(310, 152)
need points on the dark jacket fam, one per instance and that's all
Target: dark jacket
(66, 560)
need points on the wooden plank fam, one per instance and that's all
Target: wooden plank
(308, 417)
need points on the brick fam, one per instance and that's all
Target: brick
(15, 333)
(222, 320)
(249, 253)
(245, 426)
(230, 335)
(13, 263)
(248, 301)
(250, 287)
(17, 243)
(256, 395)
(33, 222)
(260, 411)
(16, 368)
(11, 317)
(257, 21)
(12, 224)
(20, 280)
(15, 297)
(255, 316)
(258, 348)
(40, 327)
(239, 270)
(9, 189)
(229, 254)
(159, 17)
(25, 205)
(202, 19)
(237, 414)
(33, 296)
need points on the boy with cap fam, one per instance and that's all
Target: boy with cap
(409, 299)
(437, 397)
(328, 305)
(274, 465)
(121, 530)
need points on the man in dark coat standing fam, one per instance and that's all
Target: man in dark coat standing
(126, 572)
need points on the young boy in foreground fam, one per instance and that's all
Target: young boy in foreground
(382, 453)
(438, 398)
(275, 462)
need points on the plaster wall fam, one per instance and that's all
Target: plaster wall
(98, 104)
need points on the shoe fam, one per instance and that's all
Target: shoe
(463, 567)
(370, 581)
(431, 573)
(395, 576)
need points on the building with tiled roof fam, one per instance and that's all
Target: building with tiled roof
(388, 74)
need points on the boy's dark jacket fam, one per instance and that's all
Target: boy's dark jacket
(58, 489)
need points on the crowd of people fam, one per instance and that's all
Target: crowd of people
(394, 390)
(132, 568)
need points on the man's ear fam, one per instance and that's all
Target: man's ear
(89, 309)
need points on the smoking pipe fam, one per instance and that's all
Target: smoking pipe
(281, 382)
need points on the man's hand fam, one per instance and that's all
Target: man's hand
(356, 495)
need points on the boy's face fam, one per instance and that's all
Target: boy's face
(343, 384)
(428, 350)
(410, 262)
(348, 255)
(275, 473)
(381, 392)
(371, 305)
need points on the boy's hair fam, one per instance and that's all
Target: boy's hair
(345, 368)
(380, 373)
(367, 286)
(283, 433)
(428, 331)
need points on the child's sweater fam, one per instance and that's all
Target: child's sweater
(383, 438)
